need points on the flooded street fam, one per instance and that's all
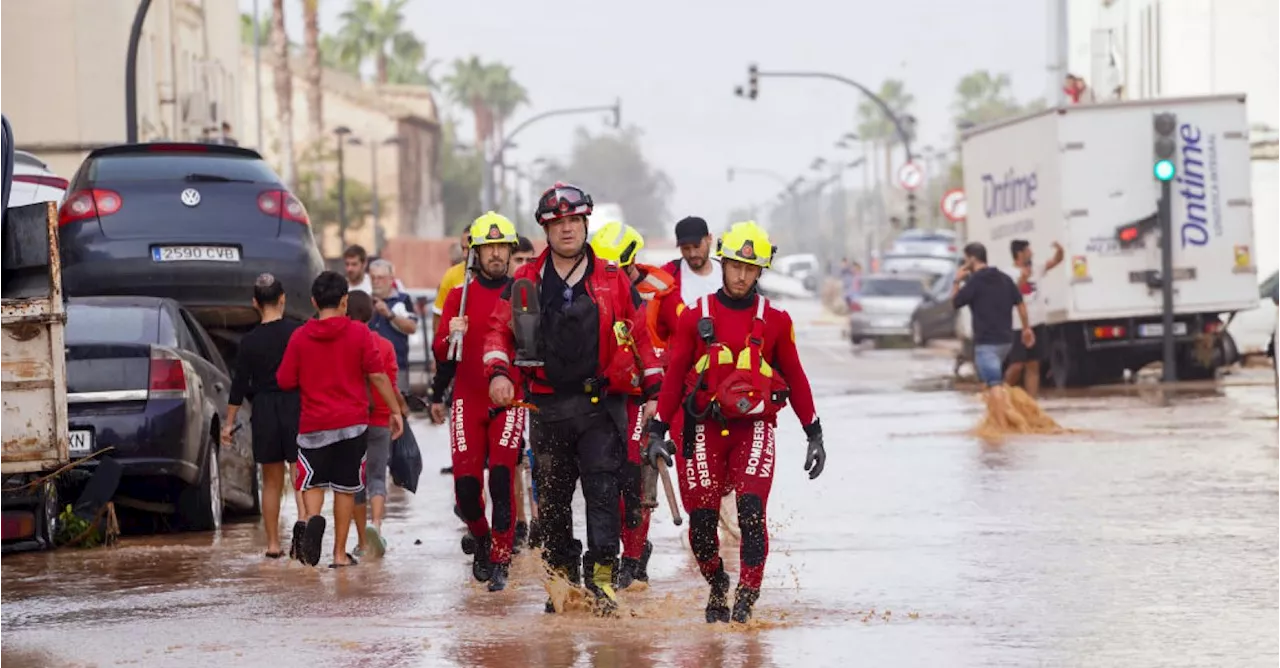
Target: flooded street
(1146, 536)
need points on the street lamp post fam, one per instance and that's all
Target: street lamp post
(489, 194)
(900, 124)
(131, 73)
(342, 132)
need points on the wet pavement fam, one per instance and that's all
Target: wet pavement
(1146, 536)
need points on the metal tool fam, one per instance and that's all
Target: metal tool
(455, 338)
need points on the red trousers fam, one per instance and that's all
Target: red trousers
(741, 461)
(480, 437)
(634, 537)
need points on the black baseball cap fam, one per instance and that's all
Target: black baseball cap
(691, 230)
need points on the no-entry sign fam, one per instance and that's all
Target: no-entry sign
(954, 205)
(910, 176)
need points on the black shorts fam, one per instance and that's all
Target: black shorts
(337, 466)
(275, 427)
(1021, 354)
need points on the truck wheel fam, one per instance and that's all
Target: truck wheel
(1069, 364)
(47, 514)
(200, 505)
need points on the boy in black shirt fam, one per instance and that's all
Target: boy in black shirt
(274, 421)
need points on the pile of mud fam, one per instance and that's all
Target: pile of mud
(1010, 410)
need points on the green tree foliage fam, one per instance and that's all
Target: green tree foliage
(323, 209)
(611, 167)
(246, 29)
(374, 29)
(873, 124)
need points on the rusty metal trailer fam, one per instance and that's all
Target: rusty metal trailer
(34, 387)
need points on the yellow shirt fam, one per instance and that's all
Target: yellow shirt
(453, 277)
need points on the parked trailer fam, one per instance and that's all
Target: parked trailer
(34, 389)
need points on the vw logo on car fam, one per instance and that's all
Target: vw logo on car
(190, 197)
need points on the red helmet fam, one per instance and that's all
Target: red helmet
(561, 201)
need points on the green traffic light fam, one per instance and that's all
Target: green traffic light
(1164, 170)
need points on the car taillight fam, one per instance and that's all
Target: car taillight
(282, 203)
(855, 307)
(40, 180)
(167, 377)
(89, 203)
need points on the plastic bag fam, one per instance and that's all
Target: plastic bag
(406, 461)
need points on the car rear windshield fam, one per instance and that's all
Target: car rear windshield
(892, 287)
(176, 166)
(89, 323)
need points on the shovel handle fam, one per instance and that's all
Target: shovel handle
(671, 493)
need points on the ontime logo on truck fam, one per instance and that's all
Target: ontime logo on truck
(1199, 181)
(1014, 193)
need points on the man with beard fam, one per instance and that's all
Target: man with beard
(482, 434)
(592, 350)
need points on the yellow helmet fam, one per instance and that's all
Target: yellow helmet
(746, 242)
(618, 242)
(493, 228)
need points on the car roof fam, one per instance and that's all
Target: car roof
(900, 276)
(24, 158)
(123, 301)
(194, 148)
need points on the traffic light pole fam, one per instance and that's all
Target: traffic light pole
(1165, 210)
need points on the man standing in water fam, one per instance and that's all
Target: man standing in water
(1024, 361)
(991, 297)
(590, 322)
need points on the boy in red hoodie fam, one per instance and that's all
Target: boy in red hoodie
(329, 359)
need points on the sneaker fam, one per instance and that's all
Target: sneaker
(498, 580)
(373, 539)
(718, 601)
(745, 601)
(601, 586)
(481, 567)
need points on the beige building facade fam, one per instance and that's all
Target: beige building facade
(408, 185)
(62, 73)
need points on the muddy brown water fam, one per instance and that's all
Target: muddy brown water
(1145, 536)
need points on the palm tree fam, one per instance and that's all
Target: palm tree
(409, 65)
(284, 93)
(982, 98)
(876, 127)
(375, 29)
(469, 87)
(504, 96)
(332, 56)
(315, 97)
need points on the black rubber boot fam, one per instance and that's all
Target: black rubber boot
(626, 573)
(468, 544)
(481, 567)
(745, 601)
(718, 601)
(498, 580)
(642, 571)
(599, 581)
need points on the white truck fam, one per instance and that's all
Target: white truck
(1078, 176)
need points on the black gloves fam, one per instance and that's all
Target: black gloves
(657, 447)
(816, 458)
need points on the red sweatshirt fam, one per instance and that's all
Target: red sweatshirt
(469, 378)
(328, 361)
(733, 320)
(380, 414)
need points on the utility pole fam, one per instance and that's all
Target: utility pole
(131, 74)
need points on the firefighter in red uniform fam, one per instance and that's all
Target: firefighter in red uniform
(620, 243)
(574, 321)
(480, 432)
(746, 365)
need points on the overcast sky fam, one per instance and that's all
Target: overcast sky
(674, 65)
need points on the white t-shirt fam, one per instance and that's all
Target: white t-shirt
(694, 287)
(1031, 296)
(365, 285)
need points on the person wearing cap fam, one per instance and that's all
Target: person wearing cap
(747, 367)
(593, 350)
(274, 420)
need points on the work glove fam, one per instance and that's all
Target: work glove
(816, 458)
(658, 447)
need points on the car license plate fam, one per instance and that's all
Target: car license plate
(195, 254)
(1157, 329)
(80, 442)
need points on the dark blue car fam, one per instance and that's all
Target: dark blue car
(145, 380)
(192, 222)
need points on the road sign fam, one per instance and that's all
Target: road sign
(954, 205)
(910, 176)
